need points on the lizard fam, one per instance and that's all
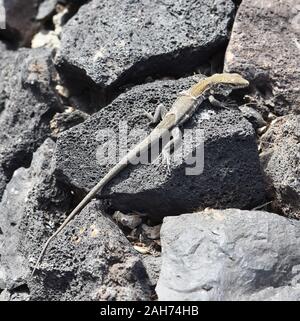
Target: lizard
(182, 110)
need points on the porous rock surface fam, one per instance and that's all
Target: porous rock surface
(231, 176)
(265, 48)
(46, 8)
(108, 44)
(66, 120)
(281, 163)
(108, 49)
(91, 260)
(20, 20)
(230, 255)
(27, 104)
(32, 205)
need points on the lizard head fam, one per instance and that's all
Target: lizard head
(232, 80)
(219, 83)
(226, 82)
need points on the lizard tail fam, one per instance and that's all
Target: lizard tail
(115, 170)
(78, 208)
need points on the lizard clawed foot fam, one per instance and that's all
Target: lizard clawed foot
(150, 117)
(157, 116)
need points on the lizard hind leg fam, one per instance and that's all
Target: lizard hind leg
(165, 156)
(173, 145)
(159, 114)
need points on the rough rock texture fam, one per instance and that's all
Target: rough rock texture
(253, 116)
(123, 44)
(51, 143)
(152, 265)
(281, 163)
(20, 20)
(69, 118)
(265, 48)
(27, 103)
(46, 8)
(31, 207)
(230, 255)
(231, 178)
(91, 260)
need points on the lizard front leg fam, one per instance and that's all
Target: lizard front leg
(159, 114)
(218, 104)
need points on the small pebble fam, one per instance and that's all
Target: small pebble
(127, 220)
(141, 249)
(271, 116)
(152, 232)
(262, 130)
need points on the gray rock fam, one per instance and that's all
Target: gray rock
(20, 20)
(91, 260)
(28, 102)
(31, 207)
(152, 265)
(280, 161)
(253, 116)
(230, 255)
(130, 221)
(46, 8)
(5, 296)
(231, 177)
(67, 119)
(19, 294)
(264, 47)
(112, 46)
(151, 232)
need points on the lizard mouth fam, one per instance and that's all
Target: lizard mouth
(244, 83)
(238, 81)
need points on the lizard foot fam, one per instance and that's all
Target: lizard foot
(158, 115)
